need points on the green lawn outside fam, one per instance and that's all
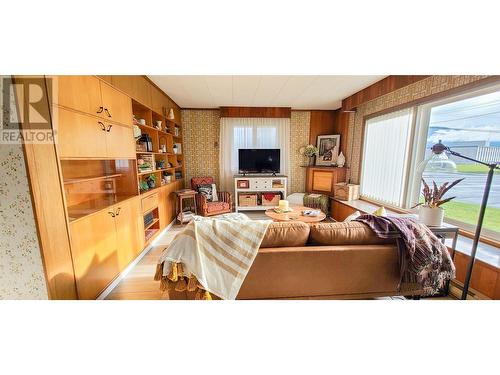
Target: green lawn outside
(468, 213)
(473, 168)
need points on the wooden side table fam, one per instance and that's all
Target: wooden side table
(179, 203)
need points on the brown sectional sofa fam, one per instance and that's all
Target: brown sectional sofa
(326, 260)
(320, 261)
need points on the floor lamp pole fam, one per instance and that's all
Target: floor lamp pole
(438, 149)
(479, 226)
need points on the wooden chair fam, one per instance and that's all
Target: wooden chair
(205, 208)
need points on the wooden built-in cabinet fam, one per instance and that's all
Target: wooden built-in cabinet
(322, 179)
(129, 231)
(117, 106)
(109, 221)
(103, 244)
(90, 95)
(84, 136)
(81, 93)
(135, 86)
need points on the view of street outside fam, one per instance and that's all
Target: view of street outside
(469, 193)
(472, 128)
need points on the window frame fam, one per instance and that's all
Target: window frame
(408, 157)
(418, 132)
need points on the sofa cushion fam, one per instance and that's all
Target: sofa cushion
(286, 234)
(340, 233)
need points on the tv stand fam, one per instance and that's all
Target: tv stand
(258, 184)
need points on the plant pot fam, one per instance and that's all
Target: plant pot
(431, 216)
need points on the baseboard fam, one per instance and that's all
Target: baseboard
(456, 288)
(132, 264)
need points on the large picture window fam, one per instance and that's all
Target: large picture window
(471, 126)
(396, 143)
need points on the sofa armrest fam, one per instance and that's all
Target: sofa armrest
(224, 196)
(201, 203)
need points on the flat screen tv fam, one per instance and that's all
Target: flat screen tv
(258, 160)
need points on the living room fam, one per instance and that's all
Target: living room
(292, 186)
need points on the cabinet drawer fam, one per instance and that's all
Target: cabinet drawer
(150, 202)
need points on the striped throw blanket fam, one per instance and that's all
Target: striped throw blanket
(211, 255)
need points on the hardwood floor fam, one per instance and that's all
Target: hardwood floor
(139, 283)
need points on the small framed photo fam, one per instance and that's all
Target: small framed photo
(328, 146)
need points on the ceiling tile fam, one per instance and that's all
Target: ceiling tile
(299, 92)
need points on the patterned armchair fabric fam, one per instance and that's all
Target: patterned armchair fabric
(205, 208)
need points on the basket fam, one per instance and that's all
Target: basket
(346, 192)
(247, 200)
(273, 202)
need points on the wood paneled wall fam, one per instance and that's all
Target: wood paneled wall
(269, 112)
(379, 88)
(330, 122)
(322, 122)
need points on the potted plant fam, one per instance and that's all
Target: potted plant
(430, 212)
(151, 180)
(143, 186)
(310, 151)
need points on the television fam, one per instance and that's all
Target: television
(259, 160)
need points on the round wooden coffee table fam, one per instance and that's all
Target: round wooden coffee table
(295, 215)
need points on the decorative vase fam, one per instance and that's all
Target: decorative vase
(171, 114)
(341, 160)
(311, 161)
(431, 216)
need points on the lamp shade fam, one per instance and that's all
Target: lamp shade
(438, 161)
(171, 114)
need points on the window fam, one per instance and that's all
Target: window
(396, 143)
(469, 125)
(236, 133)
(386, 153)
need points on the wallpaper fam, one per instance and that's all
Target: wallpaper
(21, 270)
(417, 90)
(299, 136)
(201, 143)
(201, 150)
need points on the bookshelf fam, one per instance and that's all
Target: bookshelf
(159, 149)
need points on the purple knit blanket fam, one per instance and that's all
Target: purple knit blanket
(423, 258)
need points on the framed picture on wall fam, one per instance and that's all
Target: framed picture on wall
(328, 146)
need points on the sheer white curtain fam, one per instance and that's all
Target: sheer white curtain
(236, 133)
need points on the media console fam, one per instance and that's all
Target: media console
(258, 185)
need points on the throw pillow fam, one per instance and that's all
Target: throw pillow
(209, 191)
(352, 216)
(380, 211)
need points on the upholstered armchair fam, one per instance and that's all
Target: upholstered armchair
(206, 208)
